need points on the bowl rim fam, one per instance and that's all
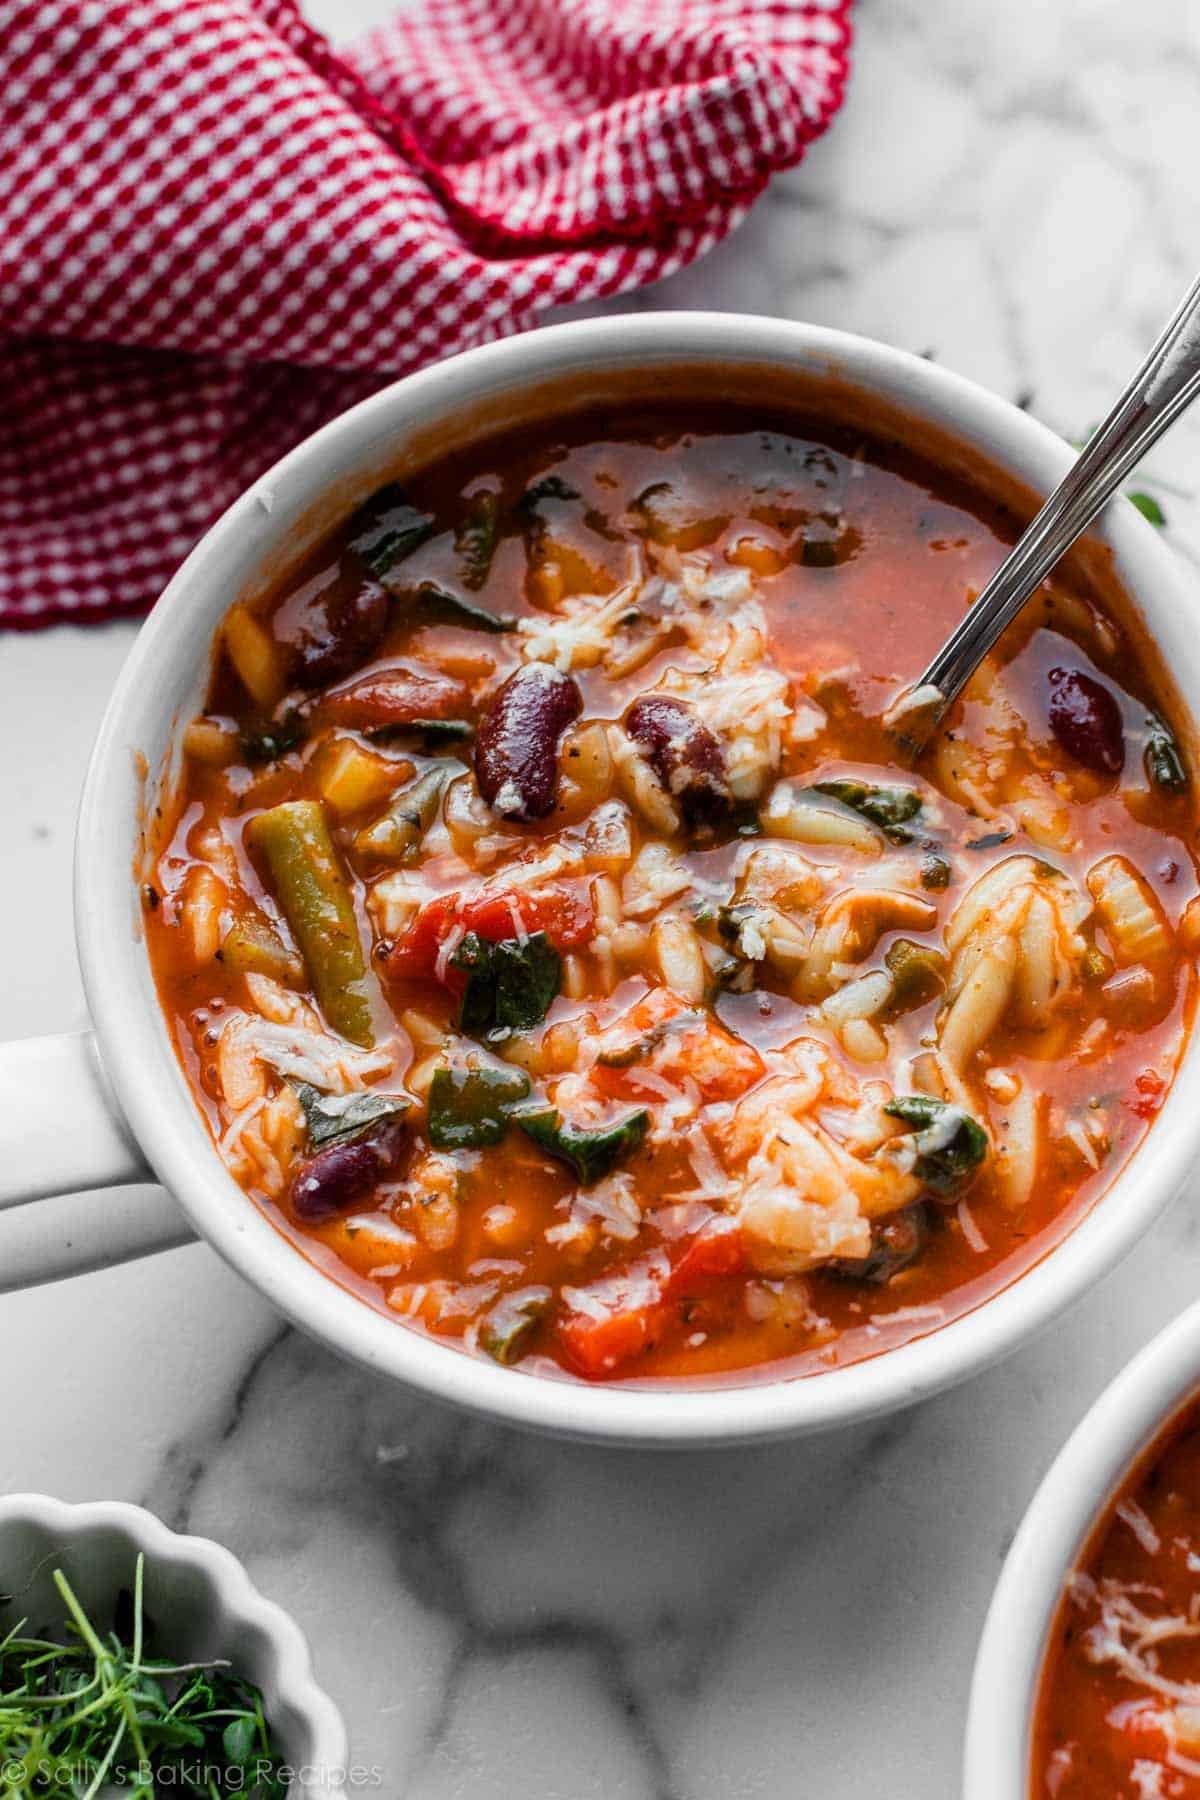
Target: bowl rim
(148, 1080)
(1106, 1444)
(234, 1593)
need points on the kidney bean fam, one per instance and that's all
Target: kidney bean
(404, 694)
(346, 1173)
(896, 1243)
(516, 747)
(684, 755)
(338, 629)
(1086, 720)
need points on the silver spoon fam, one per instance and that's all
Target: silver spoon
(1165, 385)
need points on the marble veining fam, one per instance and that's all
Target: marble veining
(1010, 189)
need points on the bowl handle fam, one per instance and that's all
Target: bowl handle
(62, 1138)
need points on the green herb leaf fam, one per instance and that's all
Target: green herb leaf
(469, 1108)
(240, 1741)
(338, 1118)
(510, 984)
(267, 743)
(591, 1151)
(1164, 764)
(475, 537)
(386, 529)
(1149, 508)
(948, 1143)
(505, 1331)
(935, 870)
(888, 807)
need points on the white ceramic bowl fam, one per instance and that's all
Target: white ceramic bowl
(1084, 1477)
(202, 1599)
(46, 1082)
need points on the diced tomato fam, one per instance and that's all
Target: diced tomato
(597, 1347)
(627, 1311)
(401, 695)
(565, 917)
(717, 1250)
(1150, 1091)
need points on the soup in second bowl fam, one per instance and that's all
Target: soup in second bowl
(563, 957)
(1119, 1712)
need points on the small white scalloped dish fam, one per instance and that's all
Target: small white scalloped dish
(204, 1603)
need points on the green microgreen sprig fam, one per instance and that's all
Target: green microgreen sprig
(92, 1714)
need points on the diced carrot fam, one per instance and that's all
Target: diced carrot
(628, 1310)
(598, 1347)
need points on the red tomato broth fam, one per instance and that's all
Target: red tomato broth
(920, 544)
(1097, 1730)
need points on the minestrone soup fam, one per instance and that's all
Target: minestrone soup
(1119, 1714)
(566, 958)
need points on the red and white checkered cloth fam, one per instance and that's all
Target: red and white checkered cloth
(215, 232)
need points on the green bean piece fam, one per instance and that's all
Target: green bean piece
(505, 1331)
(294, 840)
(252, 946)
(397, 836)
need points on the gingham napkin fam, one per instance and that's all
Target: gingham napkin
(215, 232)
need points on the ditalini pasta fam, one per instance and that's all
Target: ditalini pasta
(564, 956)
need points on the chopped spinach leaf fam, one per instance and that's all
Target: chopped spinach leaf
(469, 1108)
(386, 529)
(948, 1144)
(434, 731)
(338, 1118)
(1164, 764)
(267, 743)
(935, 869)
(510, 984)
(591, 1151)
(505, 1331)
(440, 606)
(918, 973)
(888, 807)
(475, 537)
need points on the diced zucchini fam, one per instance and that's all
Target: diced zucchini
(349, 778)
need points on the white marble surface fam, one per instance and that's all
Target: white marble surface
(1013, 188)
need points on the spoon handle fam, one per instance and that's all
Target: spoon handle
(1167, 382)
